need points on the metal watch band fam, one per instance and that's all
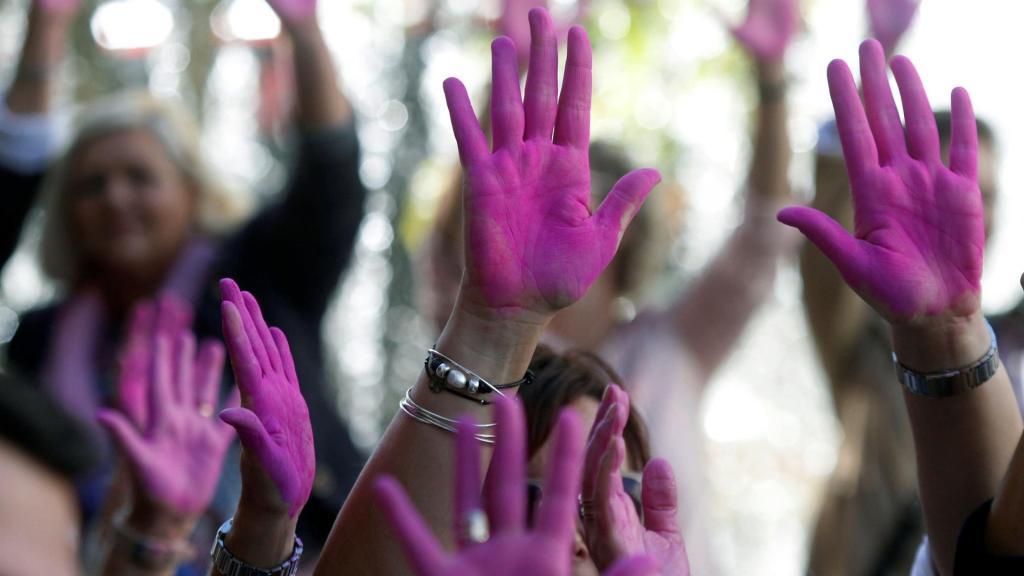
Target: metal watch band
(951, 382)
(228, 565)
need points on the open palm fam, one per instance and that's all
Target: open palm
(534, 244)
(768, 28)
(919, 234)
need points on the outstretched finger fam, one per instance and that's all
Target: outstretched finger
(287, 360)
(624, 201)
(855, 134)
(609, 487)
(468, 135)
(572, 126)
(243, 361)
(209, 368)
(505, 487)
(422, 550)
(600, 437)
(468, 501)
(557, 515)
(162, 395)
(506, 101)
(126, 436)
(830, 237)
(184, 373)
(659, 497)
(540, 101)
(230, 292)
(134, 382)
(963, 144)
(260, 325)
(881, 107)
(922, 132)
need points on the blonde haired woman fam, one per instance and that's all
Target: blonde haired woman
(133, 212)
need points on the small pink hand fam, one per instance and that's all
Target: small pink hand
(613, 529)
(890, 19)
(292, 12)
(273, 422)
(513, 549)
(533, 246)
(768, 28)
(176, 458)
(919, 235)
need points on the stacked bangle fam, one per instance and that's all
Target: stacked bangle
(421, 414)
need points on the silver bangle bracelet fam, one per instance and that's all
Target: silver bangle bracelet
(421, 414)
(951, 382)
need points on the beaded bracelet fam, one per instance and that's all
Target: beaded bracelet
(447, 375)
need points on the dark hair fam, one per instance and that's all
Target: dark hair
(34, 424)
(561, 379)
(944, 121)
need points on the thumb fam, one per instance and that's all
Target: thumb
(126, 436)
(829, 236)
(634, 566)
(251, 432)
(658, 496)
(625, 199)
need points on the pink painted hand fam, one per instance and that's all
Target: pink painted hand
(294, 12)
(511, 548)
(890, 19)
(768, 29)
(167, 318)
(919, 236)
(176, 456)
(278, 461)
(533, 245)
(613, 528)
(514, 23)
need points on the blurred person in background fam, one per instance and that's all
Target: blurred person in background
(667, 356)
(131, 211)
(870, 520)
(43, 452)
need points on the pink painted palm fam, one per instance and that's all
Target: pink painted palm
(278, 461)
(177, 453)
(613, 528)
(768, 28)
(918, 241)
(512, 549)
(533, 244)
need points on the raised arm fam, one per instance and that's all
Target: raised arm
(713, 313)
(916, 258)
(533, 246)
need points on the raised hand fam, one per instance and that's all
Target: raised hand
(174, 446)
(768, 28)
(294, 12)
(59, 8)
(278, 462)
(919, 235)
(613, 528)
(510, 547)
(890, 19)
(533, 245)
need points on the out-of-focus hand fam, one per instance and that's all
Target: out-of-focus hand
(294, 13)
(57, 8)
(890, 19)
(511, 548)
(533, 246)
(175, 447)
(278, 462)
(919, 239)
(768, 29)
(613, 528)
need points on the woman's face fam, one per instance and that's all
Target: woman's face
(130, 207)
(586, 409)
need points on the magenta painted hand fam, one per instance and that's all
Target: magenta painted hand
(768, 29)
(169, 317)
(292, 12)
(613, 529)
(919, 234)
(273, 422)
(890, 19)
(532, 244)
(514, 24)
(176, 455)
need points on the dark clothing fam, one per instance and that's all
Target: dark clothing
(972, 557)
(290, 257)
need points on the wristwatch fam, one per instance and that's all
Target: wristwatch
(951, 382)
(227, 564)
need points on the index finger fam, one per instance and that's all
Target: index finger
(854, 131)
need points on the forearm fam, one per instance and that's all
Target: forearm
(769, 167)
(32, 90)
(421, 457)
(965, 442)
(321, 103)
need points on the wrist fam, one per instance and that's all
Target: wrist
(160, 523)
(261, 539)
(941, 343)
